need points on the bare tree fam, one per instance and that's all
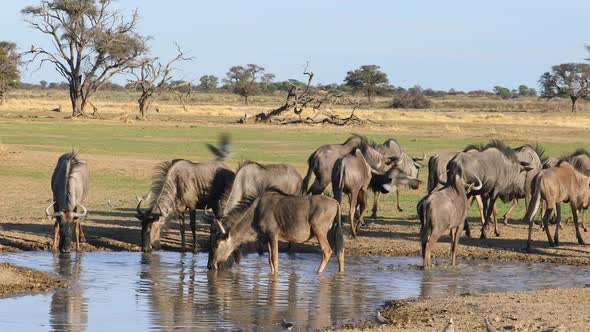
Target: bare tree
(152, 78)
(91, 43)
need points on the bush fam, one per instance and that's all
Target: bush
(412, 98)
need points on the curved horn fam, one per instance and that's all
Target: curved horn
(159, 208)
(478, 187)
(220, 226)
(140, 213)
(83, 214)
(420, 158)
(51, 215)
(439, 180)
(207, 214)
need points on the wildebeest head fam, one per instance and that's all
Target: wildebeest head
(221, 246)
(151, 227)
(66, 221)
(395, 177)
(409, 166)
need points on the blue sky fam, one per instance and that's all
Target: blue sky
(464, 45)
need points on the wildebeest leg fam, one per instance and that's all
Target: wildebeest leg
(274, 242)
(546, 218)
(318, 186)
(584, 219)
(455, 243)
(77, 231)
(181, 219)
(428, 250)
(488, 216)
(377, 195)
(399, 208)
(326, 250)
(557, 217)
(272, 268)
(495, 214)
(82, 235)
(56, 235)
(352, 197)
(512, 207)
(578, 234)
(193, 220)
(482, 207)
(362, 201)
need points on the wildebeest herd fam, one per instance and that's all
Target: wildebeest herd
(268, 203)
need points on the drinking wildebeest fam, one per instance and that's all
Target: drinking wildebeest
(69, 184)
(276, 216)
(498, 168)
(181, 185)
(442, 210)
(555, 185)
(410, 166)
(321, 162)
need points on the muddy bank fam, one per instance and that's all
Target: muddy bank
(16, 280)
(544, 310)
(116, 229)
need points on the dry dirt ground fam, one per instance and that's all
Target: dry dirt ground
(16, 280)
(545, 310)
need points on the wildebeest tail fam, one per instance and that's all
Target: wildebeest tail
(535, 200)
(432, 182)
(310, 167)
(336, 237)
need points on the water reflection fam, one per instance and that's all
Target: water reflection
(68, 311)
(171, 291)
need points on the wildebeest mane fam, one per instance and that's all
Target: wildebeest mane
(507, 151)
(577, 163)
(478, 147)
(363, 139)
(539, 150)
(244, 163)
(159, 180)
(239, 210)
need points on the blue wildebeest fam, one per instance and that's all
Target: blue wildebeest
(252, 180)
(407, 165)
(442, 210)
(181, 185)
(321, 162)
(498, 168)
(69, 184)
(561, 183)
(352, 175)
(276, 216)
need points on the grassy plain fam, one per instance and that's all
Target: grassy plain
(122, 152)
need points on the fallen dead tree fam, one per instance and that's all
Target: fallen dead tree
(300, 98)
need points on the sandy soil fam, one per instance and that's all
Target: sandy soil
(544, 310)
(16, 280)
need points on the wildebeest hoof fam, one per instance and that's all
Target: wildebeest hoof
(483, 236)
(498, 234)
(400, 209)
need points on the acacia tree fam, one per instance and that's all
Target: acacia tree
(91, 43)
(368, 78)
(566, 79)
(245, 81)
(152, 78)
(208, 83)
(9, 61)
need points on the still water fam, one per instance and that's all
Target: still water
(171, 291)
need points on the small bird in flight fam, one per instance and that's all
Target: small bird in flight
(222, 153)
